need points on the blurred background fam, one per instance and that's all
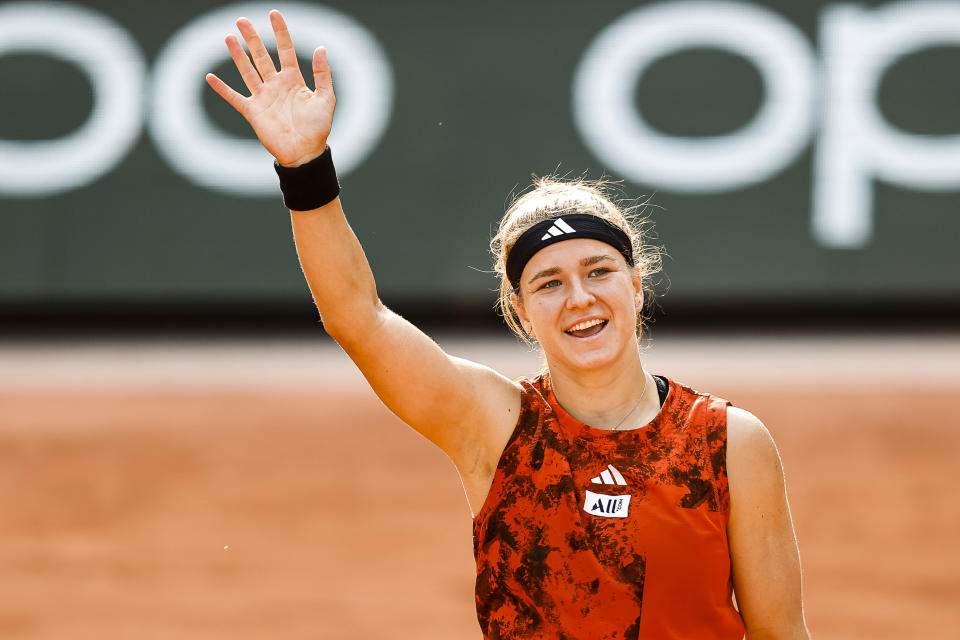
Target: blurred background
(187, 455)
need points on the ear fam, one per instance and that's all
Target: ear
(638, 288)
(517, 305)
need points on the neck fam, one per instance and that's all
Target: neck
(604, 398)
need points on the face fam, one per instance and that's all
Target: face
(580, 300)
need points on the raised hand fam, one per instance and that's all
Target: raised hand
(291, 121)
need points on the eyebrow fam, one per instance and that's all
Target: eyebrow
(586, 262)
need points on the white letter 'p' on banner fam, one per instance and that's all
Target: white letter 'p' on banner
(857, 144)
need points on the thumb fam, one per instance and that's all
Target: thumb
(322, 77)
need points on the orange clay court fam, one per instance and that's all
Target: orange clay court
(259, 490)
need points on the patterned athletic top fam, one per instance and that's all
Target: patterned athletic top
(591, 534)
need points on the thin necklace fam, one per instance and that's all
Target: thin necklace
(634, 407)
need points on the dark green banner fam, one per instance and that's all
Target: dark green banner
(792, 149)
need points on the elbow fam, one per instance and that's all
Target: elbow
(351, 329)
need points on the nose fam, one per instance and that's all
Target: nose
(580, 295)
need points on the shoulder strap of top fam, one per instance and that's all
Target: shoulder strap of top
(703, 418)
(715, 445)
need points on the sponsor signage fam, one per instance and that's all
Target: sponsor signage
(806, 150)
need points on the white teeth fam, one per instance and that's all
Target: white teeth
(585, 325)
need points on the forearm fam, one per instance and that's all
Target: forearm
(336, 270)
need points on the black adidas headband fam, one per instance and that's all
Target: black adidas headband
(567, 227)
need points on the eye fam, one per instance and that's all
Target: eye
(599, 271)
(549, 284)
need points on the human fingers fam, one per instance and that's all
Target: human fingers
(285, 50)
(224, 91)
(322, 76)
(258, 51)
(250, 76)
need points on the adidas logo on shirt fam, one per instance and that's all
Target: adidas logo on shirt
(610, 475)
(597, 504)
(558, 228)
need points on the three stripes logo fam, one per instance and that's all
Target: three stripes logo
(610, 475)
(558, 228)
(597, 504)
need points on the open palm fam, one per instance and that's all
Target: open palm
(291, 121)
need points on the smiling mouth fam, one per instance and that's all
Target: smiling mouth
(591, 330)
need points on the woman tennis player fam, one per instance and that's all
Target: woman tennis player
(608, 502)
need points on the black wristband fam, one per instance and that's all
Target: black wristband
(311, 185)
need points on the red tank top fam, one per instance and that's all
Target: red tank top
(596, 534)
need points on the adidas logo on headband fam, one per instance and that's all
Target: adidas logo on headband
(558, 228)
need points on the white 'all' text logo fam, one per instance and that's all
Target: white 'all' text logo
(607, 506)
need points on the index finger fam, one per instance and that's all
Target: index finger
(223, 89)
(285, 50)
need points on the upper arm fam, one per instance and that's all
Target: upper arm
(763, 546)
(465, 408)
(468, 410)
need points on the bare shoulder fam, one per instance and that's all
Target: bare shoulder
(498, 395)
(746, 432)
(490, 420)
(477, 453)
(750, 447)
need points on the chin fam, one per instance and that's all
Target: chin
(587, 360)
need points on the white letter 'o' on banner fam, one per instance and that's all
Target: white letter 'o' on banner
(111, 60)
(608, 121)
(205, 154)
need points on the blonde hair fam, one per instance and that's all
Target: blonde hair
(551, 196)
